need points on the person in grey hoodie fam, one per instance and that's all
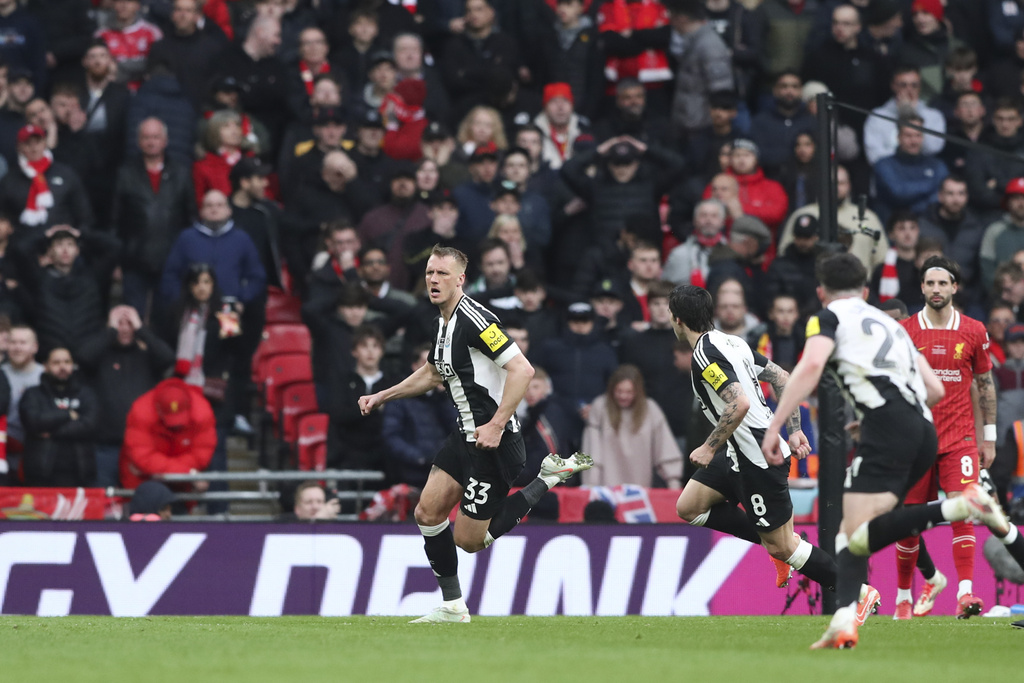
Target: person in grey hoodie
(704, 65)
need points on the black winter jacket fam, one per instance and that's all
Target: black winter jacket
(192, 58)
(70, 201)
(146, 223)
(263, 84)
(120, 374)
(69, 309)
(981, 168)
(59, 451)
(611, 202)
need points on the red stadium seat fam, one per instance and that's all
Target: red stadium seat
(287, 338)
(282, 307)
(277, 339)
(280, 371)
(276, 374)
(297, 401)
(313, 442)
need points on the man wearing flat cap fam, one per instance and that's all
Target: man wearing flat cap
(749, 240)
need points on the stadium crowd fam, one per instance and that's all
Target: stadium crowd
(165, 164)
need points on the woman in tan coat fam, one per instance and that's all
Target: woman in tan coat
(628, 436)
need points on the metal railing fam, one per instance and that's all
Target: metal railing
(263, 478)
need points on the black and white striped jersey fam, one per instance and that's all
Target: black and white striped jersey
(874, 359)
(470, 353)
(720, 360)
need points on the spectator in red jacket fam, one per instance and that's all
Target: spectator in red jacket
(225, 145)
(760, 197)
(170, 429)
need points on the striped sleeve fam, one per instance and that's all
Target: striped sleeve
(488, 335)
(713, 367)
(431, 354)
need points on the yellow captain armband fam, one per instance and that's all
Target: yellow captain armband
(714, 376)
(493, 337)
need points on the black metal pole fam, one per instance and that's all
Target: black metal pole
(832, 450)
(826, 169)
(832, 442)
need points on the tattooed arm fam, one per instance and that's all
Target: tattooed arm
(736, 406)
(987, 402)
(778, 377)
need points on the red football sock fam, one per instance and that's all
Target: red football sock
(963, 550)
(906, 560)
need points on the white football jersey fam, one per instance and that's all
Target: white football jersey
(874, 359)
(719, 360)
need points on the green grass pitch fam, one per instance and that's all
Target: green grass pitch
(531, 650)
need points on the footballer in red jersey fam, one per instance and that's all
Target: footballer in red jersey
(957, 349)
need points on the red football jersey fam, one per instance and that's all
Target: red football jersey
(957, 353)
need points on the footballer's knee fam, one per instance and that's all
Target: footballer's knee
(427, 517)
(688, 509)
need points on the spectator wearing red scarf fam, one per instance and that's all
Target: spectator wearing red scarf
(560, 124)
(688, 263)
(35, 165)
(41, 191)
